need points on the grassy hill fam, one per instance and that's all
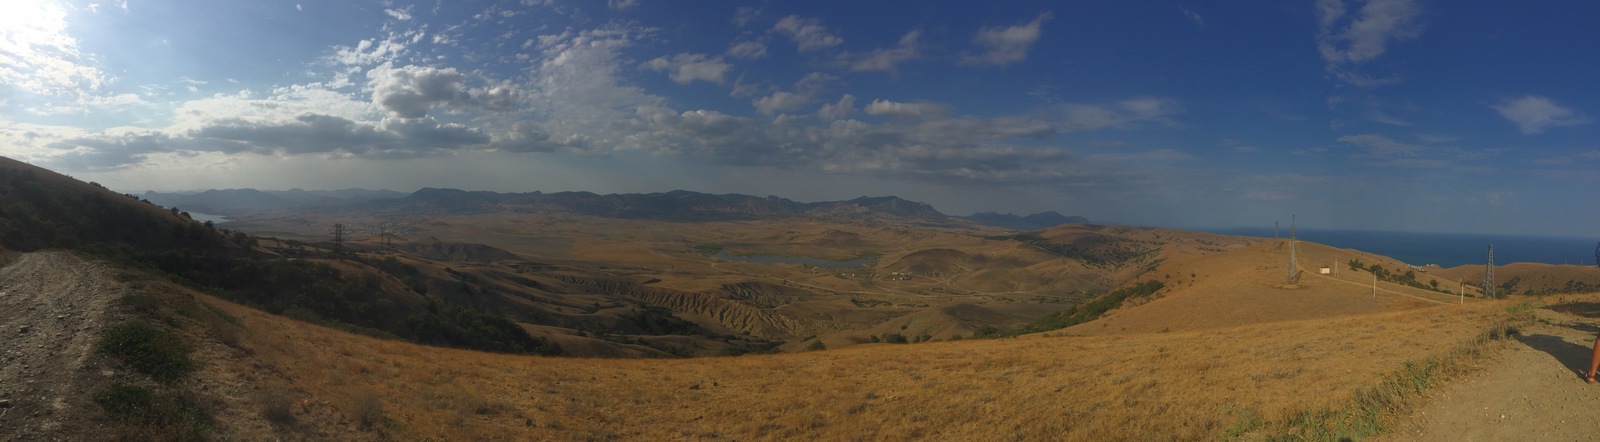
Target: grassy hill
(1188, 335)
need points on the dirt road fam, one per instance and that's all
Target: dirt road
(52, 308)
(1531, 389)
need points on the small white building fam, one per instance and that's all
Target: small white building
(1325, 270)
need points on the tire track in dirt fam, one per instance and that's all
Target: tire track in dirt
(1532, 388)
(52, 308)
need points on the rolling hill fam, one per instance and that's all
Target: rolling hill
(446, 333)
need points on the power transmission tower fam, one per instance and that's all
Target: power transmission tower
(1488, 275)
(338, 239)
(1289, 277)
(1275, 244)
(1597, 254)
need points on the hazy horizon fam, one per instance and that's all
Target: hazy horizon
(1390, 115)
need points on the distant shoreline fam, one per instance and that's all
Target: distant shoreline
(1444, 249)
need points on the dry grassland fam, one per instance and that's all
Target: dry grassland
(1179, 386)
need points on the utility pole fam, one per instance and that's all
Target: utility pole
(1289, 277)
(338, 239)
(1374, 285)
(1461, 290)
(1488, 275)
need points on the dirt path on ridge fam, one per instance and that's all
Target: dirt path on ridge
(1531, 389)
(52, 308)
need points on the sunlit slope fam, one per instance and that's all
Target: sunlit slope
(1522, 278)
(1179, 385)
(1249, 285)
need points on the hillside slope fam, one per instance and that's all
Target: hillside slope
(1247, 286)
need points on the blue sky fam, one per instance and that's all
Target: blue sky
(1417, 115)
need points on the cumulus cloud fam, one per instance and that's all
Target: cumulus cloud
(780, 101)
(686, 68)
(748, 50)
(914, 110)
(838, 110)
(807, 33)
(1006, 44)
(887, 59)
(411, 91)
(1533, 114)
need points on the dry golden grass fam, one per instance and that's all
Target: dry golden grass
(1182, 385)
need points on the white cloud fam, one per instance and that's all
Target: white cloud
(1533, 114)
(369, 52)
(915, 110)
(410, 91)
(1084, 117)
(1365, 36)
(38, 56)
(748, 50)
(621, 5)
(807, 33)
(686, 68)
(886, 59)
(744, 15)
(839, 110)
(1005, 45)
(298, 7)
(780, 101)
(1193, 16)
(403, 14)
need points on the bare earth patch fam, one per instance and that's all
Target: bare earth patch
(52, 308)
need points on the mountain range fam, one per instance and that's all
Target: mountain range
(677, 205)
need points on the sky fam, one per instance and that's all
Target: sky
(1409, 115)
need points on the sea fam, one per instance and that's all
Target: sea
(1446, 249)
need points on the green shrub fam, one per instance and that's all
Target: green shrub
(155, 352)
(143, 414)
(816, 345)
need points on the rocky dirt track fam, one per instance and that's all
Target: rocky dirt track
(1533, 389)
(52, 308)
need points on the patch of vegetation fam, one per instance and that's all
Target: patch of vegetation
(816, 346)
(895, 338)
(144, 414)
(1409, 278)
(1094, 251)
(317, 292)
(868, 303)
(1089, 311)
(158, 353)
(36, 214)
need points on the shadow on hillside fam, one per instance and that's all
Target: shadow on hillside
(1575, 357)
(1582, 309)
(1579, 326)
